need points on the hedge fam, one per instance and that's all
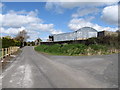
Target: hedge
(7, 42)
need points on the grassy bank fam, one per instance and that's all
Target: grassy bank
(76, 49)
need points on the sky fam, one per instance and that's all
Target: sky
(41, 19)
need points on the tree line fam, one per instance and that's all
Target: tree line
(19, 40)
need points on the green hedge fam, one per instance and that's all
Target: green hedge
(111, 41)
(7, 42)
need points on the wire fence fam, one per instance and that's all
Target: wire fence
(5, 52)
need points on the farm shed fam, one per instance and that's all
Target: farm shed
(81, 34)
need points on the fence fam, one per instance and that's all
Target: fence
(4, 52)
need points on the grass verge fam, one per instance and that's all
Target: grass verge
(75, 49)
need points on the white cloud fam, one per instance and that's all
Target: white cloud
(14, 31)
(60, 5)
(13, 22)
(41, 27)
(82, 12)
(54, 31)
(77, 23)
(34, 34)
(24, 12)
(110, 14)
(11, 31)
(44, 27)
(54, 5)
(1, 5)
(108, 1)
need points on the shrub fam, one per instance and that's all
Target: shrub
(97, 47)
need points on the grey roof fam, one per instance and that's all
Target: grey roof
(61, 33)
(87, 28)
(81, 29)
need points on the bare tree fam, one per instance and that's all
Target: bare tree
(22, 37)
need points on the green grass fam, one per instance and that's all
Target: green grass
(73, 49)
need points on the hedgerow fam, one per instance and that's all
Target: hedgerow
(74, 49)
(7, 42)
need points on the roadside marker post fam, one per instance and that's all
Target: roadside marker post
(2, 53)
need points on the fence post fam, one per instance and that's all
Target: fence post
(9, 51)
(16, 49)
(2, 53)
(5, 51)
(13, 49)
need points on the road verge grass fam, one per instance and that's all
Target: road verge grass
(75, 49)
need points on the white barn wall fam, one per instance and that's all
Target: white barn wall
(83, 33)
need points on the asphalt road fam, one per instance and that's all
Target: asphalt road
(34, 70)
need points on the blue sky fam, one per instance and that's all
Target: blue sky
(40, 19)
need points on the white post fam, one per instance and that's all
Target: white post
(5, 51)
(2, 53)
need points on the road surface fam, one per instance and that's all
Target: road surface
(34, 70)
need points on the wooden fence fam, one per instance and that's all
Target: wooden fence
(4, 52)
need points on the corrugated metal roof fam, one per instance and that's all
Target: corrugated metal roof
(81, 29)
(83, 33)
(87, 29)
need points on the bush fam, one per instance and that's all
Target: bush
(111, 41)
(98, 47)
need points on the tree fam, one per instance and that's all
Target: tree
(118, 31)
(7, 42)
(9, 37)
(37, 41)
(22, 37)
